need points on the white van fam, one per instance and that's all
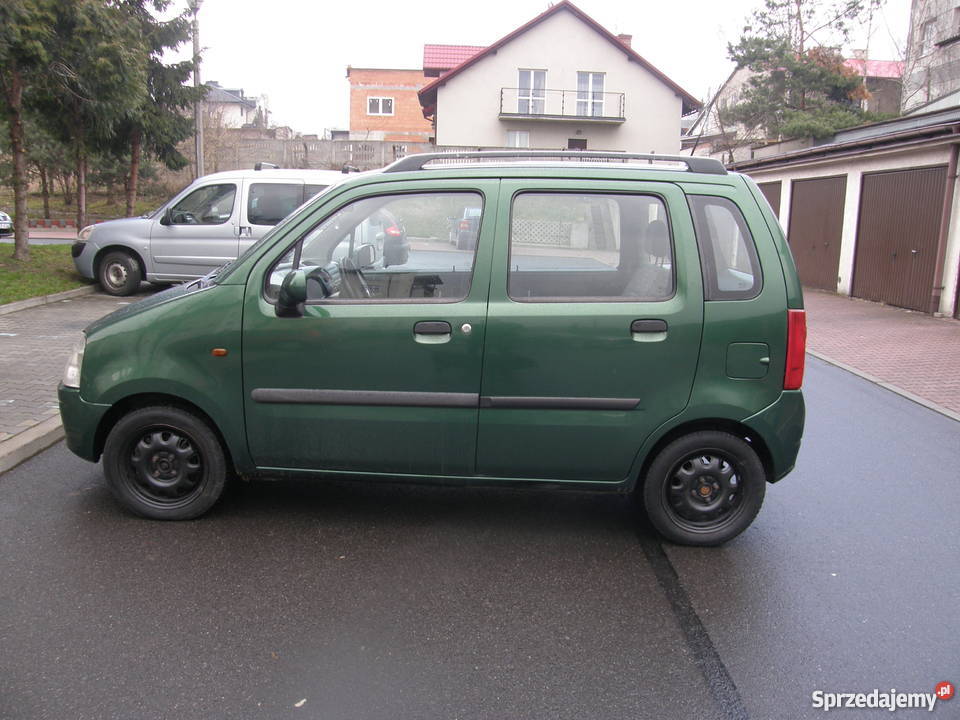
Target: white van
(206, 225)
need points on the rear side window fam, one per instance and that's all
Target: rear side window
(269, 203)
(575, 247)
(731, 269)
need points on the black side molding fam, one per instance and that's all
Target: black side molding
(299, 396)
(516, 402)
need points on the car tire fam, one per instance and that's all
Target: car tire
(164, 463)
(704, 488)
(119, 273)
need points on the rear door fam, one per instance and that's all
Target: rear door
(268, 201)
(593, 328)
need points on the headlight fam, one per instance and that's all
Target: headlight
(4, 217)
(84, 234)
(71, 375)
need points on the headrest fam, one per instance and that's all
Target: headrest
(656, 240)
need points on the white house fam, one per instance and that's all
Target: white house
(559, 81)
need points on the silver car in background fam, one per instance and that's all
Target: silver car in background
(206, 225)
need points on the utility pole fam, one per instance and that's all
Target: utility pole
(198, 105)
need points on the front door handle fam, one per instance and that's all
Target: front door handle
(432, 332)
(648, 330)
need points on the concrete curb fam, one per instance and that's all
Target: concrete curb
(45, 299)
(888, 386)
(26, 444)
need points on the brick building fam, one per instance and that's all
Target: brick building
(384, 105)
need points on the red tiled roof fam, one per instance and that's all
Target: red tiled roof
(875, 68)
(428, 94)
(444, 57)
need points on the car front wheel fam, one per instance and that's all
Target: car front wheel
(119, 274)
(704, 488)
(164, 463)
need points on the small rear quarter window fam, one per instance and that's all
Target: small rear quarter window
(731, 269)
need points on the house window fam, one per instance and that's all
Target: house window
(576, 143)
(590, 94)
(926, 37)
(380, 106)
(531, 92)
(518, 138)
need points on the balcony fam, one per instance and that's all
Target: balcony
(561, 105)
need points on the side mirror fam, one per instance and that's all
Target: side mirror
(292, 295)
(167, 217)
(365, 256)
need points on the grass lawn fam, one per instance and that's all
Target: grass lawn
(99, 206)
(49, 270)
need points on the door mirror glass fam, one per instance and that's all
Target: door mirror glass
(292, 294)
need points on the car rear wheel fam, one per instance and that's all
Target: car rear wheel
(704, 488)
(164, 463)
(119, 273)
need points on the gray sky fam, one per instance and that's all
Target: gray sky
(296, 51)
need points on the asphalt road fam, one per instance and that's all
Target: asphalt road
(342, 601)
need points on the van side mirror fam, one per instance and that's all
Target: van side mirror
(167, 217)
(292, 295)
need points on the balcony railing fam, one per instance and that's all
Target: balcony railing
(547, 104)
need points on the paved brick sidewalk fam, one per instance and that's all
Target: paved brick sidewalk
(34, 346)
(915, 352)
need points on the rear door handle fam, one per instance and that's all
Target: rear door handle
(648, 330)
(432, 332)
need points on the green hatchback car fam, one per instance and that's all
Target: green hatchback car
(623, 323)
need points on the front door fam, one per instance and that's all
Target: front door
(381, 372)
(198, 233)
(593, 329)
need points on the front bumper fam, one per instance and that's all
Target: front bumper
(83, 254)
(80, 422)
(781, 427)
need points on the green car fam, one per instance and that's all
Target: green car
(623, 323)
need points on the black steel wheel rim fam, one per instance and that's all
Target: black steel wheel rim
(165, 467)
(703, 491)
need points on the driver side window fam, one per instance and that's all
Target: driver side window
(413, 247)
(209, 205)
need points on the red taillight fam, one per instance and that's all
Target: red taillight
(393, 231)
(464, 224)
(796, 349)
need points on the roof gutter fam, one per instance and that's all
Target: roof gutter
(855, 147)
(944, 233)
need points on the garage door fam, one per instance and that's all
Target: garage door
(897, 236)
(771, 191)
(816, 225)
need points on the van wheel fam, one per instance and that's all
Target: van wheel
(164, 463)
(704, 488)
(119, 273)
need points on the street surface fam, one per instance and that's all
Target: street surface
(341, 600)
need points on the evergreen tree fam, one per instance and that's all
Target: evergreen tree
(801, 87)
(24, 32)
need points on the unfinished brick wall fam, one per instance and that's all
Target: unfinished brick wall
(407, 123)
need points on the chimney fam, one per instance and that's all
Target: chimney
(625, 39)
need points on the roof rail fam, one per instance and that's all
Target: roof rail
(709, 166)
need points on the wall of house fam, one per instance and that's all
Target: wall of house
(854, 169)
(407, 123)
(931, 71)
(230, 115)
(468, 107)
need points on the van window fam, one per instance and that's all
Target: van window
(388, 248)
(269, 203)
(209, 205)
(583, 247)
(731, 269)
(310, 191)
